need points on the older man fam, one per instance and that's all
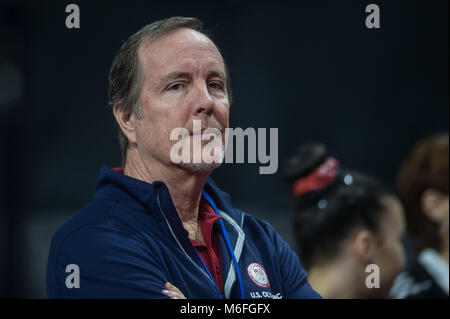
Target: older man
(157, 221)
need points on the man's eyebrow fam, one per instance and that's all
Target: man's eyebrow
(217, 73)
(175, 75)
(187, 75)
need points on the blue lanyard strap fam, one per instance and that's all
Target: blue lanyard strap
(227, 241)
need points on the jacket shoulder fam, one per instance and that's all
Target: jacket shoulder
(105, 251)
(94, 213)
(256, 222)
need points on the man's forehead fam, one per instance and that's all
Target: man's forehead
(182, 49)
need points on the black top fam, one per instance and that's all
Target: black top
(418, 283)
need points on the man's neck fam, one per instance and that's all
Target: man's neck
(184, 186)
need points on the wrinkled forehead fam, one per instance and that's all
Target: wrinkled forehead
(182, 50)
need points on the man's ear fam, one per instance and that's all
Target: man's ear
(126, 121)
(363, 245)
(431, 201)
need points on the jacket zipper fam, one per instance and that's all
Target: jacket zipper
(179, 244)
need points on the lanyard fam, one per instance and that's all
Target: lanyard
(227, 241)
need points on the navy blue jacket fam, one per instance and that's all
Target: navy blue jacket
(129, 240)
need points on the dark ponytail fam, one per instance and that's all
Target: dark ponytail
(330, 202)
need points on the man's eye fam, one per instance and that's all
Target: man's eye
(175, 87)
(216, 86)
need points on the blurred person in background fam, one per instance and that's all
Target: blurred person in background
(343, 222)
(422, 185)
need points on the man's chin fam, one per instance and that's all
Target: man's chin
(199, 167)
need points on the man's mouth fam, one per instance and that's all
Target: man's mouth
(211, 130)
(198, 132)
(209, 126)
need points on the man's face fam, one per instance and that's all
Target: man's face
(184, 80)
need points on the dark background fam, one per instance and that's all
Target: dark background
(311, 69)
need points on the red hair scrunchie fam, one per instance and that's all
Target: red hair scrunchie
(320, 178)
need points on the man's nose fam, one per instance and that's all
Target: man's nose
(203, 102)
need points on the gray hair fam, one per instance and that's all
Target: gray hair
(126, 76)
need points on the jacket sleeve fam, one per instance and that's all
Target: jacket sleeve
(294, 276)
(111, 264)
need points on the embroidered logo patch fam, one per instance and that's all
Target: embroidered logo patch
(258, 274)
